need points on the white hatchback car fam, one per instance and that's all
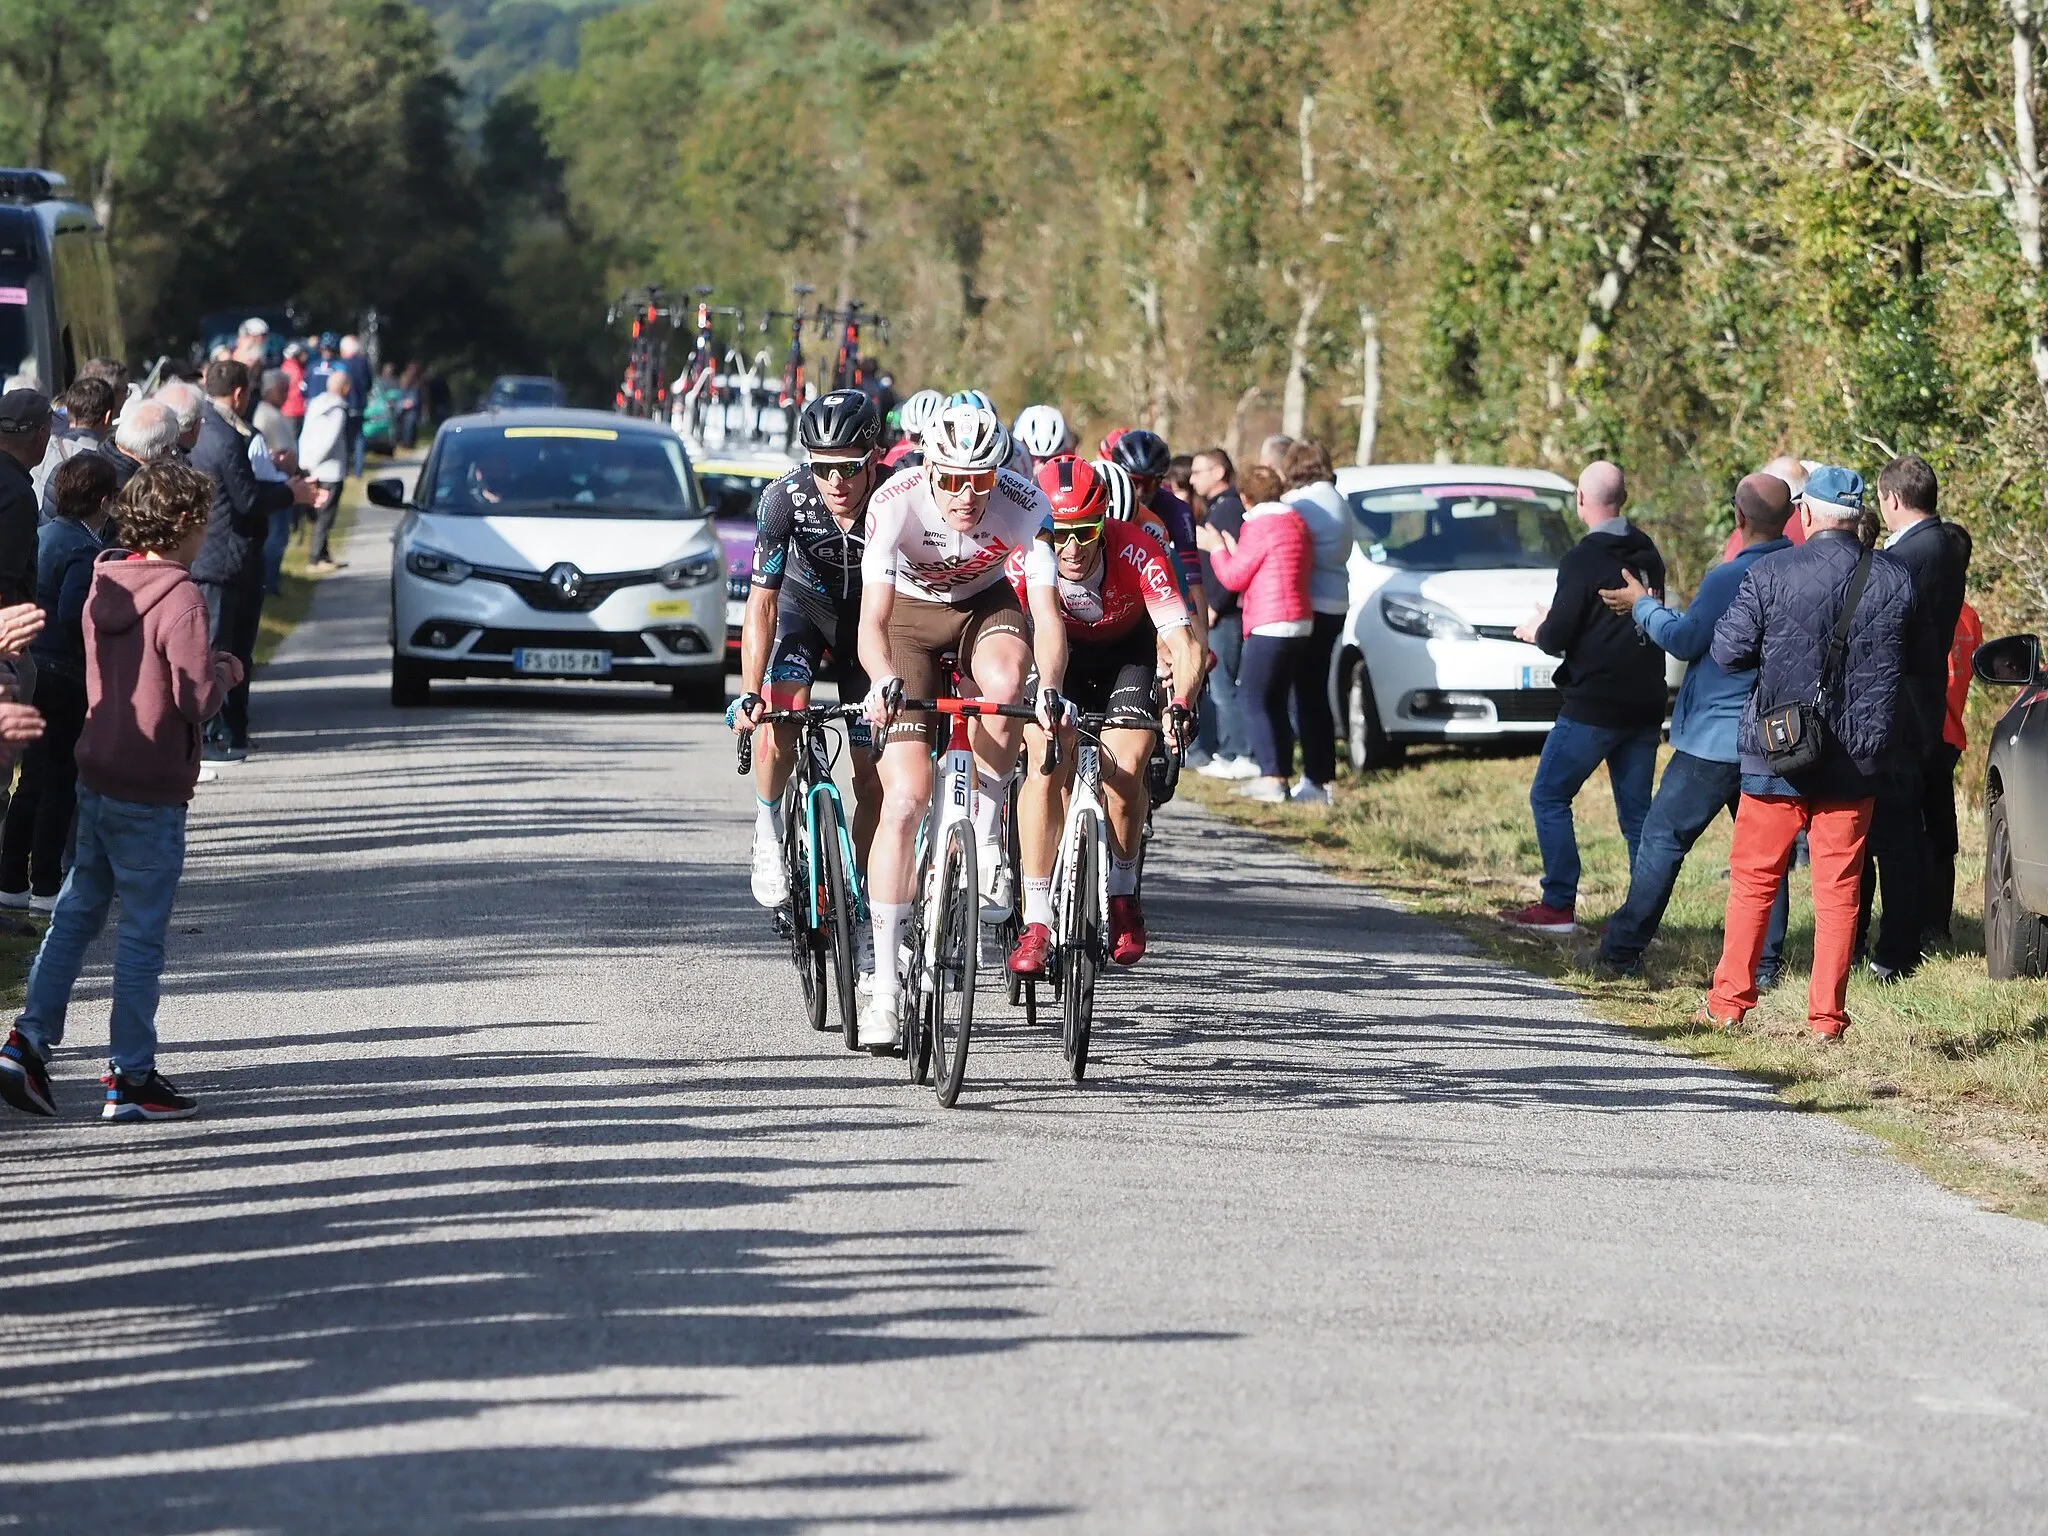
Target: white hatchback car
(1449, 559)
(556, 543)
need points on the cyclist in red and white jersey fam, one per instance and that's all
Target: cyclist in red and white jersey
(932, 582)
(1104, 605)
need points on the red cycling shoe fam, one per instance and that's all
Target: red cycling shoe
(1126, 930)
(1028, 958)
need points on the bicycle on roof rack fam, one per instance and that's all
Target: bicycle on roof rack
(793, 396)
(850, 370)
(698, 383)
(643, 390)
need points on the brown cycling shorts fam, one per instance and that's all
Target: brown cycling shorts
(921, 633)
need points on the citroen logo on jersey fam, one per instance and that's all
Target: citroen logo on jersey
(566, 580)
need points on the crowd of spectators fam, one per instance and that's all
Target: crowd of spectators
(1845, 617)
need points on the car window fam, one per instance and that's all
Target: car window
(1462, 527)
(731, 496)
(561, 471)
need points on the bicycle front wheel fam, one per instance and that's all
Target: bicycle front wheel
(957, 933)
(836, 916)
(1081, 944)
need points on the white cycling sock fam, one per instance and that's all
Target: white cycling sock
(990, 793)
(1038, 901)
(768, 818)
(889, 918)
(1123, 876)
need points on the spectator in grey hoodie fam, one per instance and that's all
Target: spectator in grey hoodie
(1312, 492)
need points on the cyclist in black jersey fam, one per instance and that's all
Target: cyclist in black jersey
(803, 607)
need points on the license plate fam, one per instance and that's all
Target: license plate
(563, 663)
(735, 615)
(1539, 677)
(670, 608)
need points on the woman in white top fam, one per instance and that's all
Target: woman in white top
(1312, 492)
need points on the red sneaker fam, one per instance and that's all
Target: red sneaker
(1539, 918)
(1126, 930)
(1028, 958)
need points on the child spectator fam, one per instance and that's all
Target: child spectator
(1269, 566)
(150, 682)
(39, 816)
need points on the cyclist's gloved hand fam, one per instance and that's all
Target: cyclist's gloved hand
(885, 698)
(1052, 709)
(744, 712)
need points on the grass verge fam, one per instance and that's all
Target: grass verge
(1949, 1067)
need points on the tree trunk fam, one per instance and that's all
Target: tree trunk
(1233, 437)
(1369, 394)
(1294, 397)
(852, 235)
(2023, 198)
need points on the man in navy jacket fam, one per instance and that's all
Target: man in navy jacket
(1704, 776)
(1780, 623)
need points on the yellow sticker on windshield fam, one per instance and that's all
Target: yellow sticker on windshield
(600, 434)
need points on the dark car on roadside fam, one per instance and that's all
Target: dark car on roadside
(57, 302)
(2016, 812)
(523, 392)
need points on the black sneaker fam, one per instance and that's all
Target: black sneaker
(24, 1080)
(151, 1099)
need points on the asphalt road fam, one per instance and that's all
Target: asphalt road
(522, 1198)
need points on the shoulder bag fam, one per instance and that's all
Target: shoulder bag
(1795, 737)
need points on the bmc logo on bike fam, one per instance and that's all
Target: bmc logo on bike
(960, 793)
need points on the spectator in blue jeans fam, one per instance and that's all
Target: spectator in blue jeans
(1213, 479)
(1611, 694)
(152, 678)
(1704, 776)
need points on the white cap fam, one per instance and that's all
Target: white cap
(255, 325)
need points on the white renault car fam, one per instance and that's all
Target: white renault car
(1449, 559)
(556, 543)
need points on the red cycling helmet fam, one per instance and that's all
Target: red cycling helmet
(1079, 498)
(1109, 443)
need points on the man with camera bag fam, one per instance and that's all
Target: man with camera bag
(1823, 626)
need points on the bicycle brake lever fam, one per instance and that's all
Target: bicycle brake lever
(746, 754)
(1052, 753)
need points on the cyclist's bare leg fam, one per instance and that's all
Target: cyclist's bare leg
(867, 805)
(1123, 788)
(1041, 807)
(775, 748)
(906, 793)
(998, 668)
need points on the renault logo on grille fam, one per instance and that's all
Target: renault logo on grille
(566, 580)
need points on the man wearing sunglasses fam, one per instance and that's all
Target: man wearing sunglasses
(1104, 605)
(938, 537)
(803, 606)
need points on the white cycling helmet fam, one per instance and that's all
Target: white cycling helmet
(1043, 431)
(917, 412)
(1116, 482)
(966, 437)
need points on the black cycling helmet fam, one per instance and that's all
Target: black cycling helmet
(843, 424)
(1143, 453)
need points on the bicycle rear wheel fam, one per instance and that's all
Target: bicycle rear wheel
(956, 951)
(1081, 946)
(836, 916)
(915, 1025)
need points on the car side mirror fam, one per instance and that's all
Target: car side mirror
(2013, 661)
(386, 493)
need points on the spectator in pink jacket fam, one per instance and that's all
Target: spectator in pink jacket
(1268, 566)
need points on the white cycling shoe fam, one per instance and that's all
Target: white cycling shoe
(771, 878)
(880, 1024)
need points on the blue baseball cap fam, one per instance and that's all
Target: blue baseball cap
(1836, 487)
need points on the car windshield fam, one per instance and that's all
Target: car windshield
(527, 392)
(566, 471)
(731, 495)
(1462, 527)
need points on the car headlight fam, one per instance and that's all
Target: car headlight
(1419, 616)
(691, 571)
(435, 566)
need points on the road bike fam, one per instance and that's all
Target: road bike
(826, 903)
(698, 381)
(849, 369)
(643, 391)
(791, 399)
(945, 923)
(1080, 891)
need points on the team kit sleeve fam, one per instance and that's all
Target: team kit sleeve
(886, 512)
(774, 522)
(1039, 566)
(1157, 586)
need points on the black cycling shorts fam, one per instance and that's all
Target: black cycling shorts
(802, 645)
(1119, 678)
